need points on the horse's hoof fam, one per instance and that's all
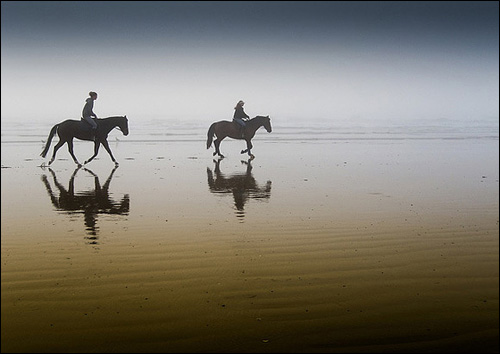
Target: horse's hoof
(116, 164)
(252, 157)
(214, 154)
(243, 151)
(79, 165)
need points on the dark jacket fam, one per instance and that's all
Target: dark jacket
(88, 108)
(239, 113)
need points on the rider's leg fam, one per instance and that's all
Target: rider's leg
(242, 126)
(93, 125)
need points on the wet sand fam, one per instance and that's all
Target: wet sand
(326, 245)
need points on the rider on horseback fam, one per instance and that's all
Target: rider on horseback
(88, 112)
(240, 116)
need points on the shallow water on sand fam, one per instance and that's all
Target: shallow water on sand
(328, 241)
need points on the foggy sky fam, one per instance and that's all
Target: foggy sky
(193, 61)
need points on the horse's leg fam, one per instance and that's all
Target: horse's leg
(70, 149)
(58, 145)
(106, 146)
(249, 148)
(96, 150)
(217, 147)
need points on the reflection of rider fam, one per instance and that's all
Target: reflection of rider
(88, 112)
(239, 115)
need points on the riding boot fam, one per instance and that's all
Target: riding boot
(242, 131)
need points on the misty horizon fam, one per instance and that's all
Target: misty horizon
(295, 61)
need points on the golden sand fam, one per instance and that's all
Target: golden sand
(303, 253)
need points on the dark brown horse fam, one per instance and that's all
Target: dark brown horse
(224, 128)
(79, 129)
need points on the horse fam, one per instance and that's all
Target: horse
(80, 129)
(224, 128)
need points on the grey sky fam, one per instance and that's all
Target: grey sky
(291, 60)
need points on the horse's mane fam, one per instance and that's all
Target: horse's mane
(115, 117)
(259, 117)
(251, 119)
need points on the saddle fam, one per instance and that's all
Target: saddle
(87, 128)
(86, 125)
(239, 128)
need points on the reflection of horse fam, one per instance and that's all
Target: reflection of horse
(90, 203)
(79, 129)
(242, 186)
(225, 128)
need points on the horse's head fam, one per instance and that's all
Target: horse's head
(267, 123)
(123, 125)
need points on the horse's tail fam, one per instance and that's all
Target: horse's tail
(210, 135)
(49, 140)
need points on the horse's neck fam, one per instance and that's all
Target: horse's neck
(255, 123)
(108, 123)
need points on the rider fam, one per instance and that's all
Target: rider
(239, 115)
(88, 112)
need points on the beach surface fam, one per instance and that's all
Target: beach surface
(329, 240)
